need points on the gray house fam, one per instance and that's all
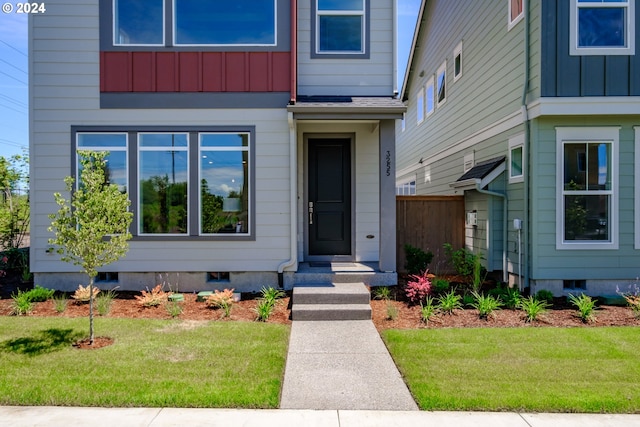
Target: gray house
(531, 110)
(252, 137)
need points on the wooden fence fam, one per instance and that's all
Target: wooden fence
(428, 222)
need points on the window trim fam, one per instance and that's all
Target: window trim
(194, 208)
(609, 135)
(315, 52)
(441, 70)
(406, 184)
(514, 143)
(430, 84)
(457, 52)
(513, 22)
(574, 50)
(420, 106)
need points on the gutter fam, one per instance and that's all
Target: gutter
(293, 192)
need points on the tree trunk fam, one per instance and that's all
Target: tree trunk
(91, 310)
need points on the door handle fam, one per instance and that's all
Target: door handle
(310, 213)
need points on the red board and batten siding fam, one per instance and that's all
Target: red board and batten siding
(195, 71)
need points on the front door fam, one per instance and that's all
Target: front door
(329, 196)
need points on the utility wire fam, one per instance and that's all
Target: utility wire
(17, 50)
(9, 107)
(11, 77)
(13, 101)
(13, 66)
(14, 143)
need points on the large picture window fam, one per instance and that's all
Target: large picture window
(138, 22)
(340, 26)
(602, 27)
(587, 188)
(188, 183)
(238, 22)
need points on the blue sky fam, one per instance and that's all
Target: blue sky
(14, 98)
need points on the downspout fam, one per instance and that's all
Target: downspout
(294, 52)
(504, 226)
(293, 188)
(527, 143)
(395, 48)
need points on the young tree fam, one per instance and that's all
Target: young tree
(14, 201)
(92, 228)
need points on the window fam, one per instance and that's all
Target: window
(340, 26)
(194, 23)
(602, 27)
(430, 99)
(516, 159)
(420, 106)
(224, 178)
(189, 183)
(239, 22)
(403, 122)
(441, 81)
(116, 144)
(457, 62)
(587, 188)
(138, 22)
(407, 188)
(516, 11)
(163, 183)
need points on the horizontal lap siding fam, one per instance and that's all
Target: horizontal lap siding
(195, 71)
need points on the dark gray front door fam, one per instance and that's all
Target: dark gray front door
(329, 203)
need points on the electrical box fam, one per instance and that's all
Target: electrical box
(472, 218)
(517, 224)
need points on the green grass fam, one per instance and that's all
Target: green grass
(525, 369)
(152, 363)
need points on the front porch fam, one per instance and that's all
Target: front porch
(327, 272)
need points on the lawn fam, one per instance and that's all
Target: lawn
(153, 363)
(521, 369)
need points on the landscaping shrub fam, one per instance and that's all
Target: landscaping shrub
(586, 307)
(633, 299)
(440, 286)
(532, 308)
(174, 308)
(82, 294)
(39, 294)
(427, 310)
(382, 292)
(22, 304)
(461, 259)
(449, 302)
(510, 297)
(418, 288)
(545, 295)
(486, 305)
(417, 260)
(104, 302)
(154, 297)
(221, 299)
(267, 302)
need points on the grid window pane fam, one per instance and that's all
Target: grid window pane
(138, 22)
(601, 27)
(339, 33)
(586, 217)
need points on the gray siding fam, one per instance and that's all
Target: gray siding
(566, 75)
(371, 76)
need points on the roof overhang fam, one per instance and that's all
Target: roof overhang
(481, 175)
(347, 108)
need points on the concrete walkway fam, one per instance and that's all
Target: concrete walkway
(341, 365)
(163, 417)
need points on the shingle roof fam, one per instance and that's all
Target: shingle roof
(482, 169)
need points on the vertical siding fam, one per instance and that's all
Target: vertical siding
(566, 75)
(64, 84)
(353, 77)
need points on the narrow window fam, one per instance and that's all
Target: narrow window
(224, 183)
(163, 183)
(457, 62)
(441, 81)
(516, 11)
(420, 106)
(516, 159)
(430, 98)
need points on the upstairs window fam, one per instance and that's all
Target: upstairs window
(516, 12)
(430, 99)
(420, 106)
(441, 81)
(239, 22)
(602, 27)
(340, 26)
(138, 22)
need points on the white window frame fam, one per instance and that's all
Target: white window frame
(516, 142)
(630, 37)
(406, 187)
(609, 135)
(430, 107)
(512, 22)
(441, 71)
(420, 106)
(457, 53)
(362, 13)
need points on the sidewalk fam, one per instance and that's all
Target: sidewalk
(341, 365)
(161, 417)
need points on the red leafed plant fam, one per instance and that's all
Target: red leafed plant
(418, 287)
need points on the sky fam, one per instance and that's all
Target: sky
(14, 93)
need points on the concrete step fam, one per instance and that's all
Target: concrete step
(319, 312)
(369, 277)
(333, 293)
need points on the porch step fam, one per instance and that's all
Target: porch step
(340, 272)
(330, 301)
(317, 312)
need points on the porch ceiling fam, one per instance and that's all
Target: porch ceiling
(346, 108)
